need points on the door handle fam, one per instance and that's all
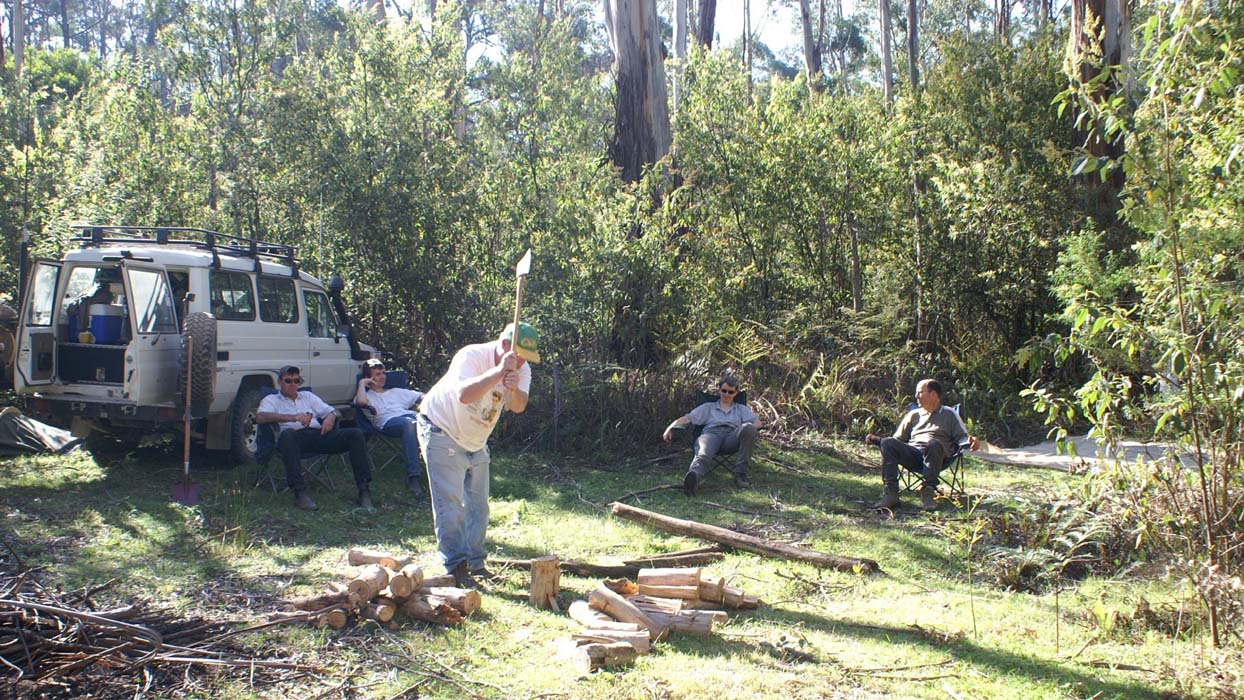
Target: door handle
(315, 353)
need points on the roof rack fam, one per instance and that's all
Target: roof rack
(212, 241)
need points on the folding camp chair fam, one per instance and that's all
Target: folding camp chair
(272, 471)
(382, 448)
(952, 474)
(723, 457)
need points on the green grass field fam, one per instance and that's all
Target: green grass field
(930, 626)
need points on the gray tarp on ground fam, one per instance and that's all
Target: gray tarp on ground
(20, 434)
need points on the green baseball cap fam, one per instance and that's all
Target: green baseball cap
(528, 340)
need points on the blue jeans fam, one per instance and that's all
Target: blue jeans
(724, 440)
(926, 460)
(406, 427)
(458, 482)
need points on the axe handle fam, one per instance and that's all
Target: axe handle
(518, 304)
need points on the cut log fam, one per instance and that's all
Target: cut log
(686, 621)
(739, 540)
(583, 613)
(595, 655)
(669, 577)
(682, 592)
(604, 599)
(621, 586)
(362, 557)
(336, 618)
(545, 583)
(318, 601)
(436, 581)
(400, 585)
(464, 601)
(414, 573)
(713, 590)
(665, 605)
(418, 607)
(380, 612)
(368, 583)
(638, 638)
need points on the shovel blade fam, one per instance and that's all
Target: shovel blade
(186, 492)
(524, 265)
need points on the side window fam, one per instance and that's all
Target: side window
(43, 294)
(232, 298)
(277, 301)
(321, 323)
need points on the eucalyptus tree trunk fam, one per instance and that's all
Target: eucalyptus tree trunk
(1100, 37)
(376, 7)
(680, 46)
(811, 46)
(1002, 18)
(19, 38)
(65, 36)
(641, 111)
(913, 46)
(917, 188)
(706, 17)
(887, 54)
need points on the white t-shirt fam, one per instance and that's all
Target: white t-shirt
(470, 424)
(390, 404)
(306, 402)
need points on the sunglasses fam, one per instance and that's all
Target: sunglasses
(292, 380)
(729, 392)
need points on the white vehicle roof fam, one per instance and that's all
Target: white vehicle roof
(177, 255)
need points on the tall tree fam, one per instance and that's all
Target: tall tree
(706, 17)
(1100, 40)
(913, 46)
(887, 54)
(680, 46)
(19, 38)
(642, 121)
(811, 45)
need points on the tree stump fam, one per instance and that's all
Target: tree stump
(546, 577)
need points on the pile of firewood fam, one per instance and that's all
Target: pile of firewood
(621, 618)
(384, 586)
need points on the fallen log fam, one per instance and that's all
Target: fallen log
(318, 601)
(362, 557)
(627, 569)
(739, 540)
(336, 618)
(593, 620)
(617, 607)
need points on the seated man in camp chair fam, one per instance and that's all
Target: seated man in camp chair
(393, 413)
(728, 427)
(926, 437)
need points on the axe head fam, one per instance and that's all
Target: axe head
(524, 265)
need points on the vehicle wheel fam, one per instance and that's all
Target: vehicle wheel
(243, 441)
(201, 359)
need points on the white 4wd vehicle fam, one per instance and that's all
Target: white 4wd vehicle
(101, 333)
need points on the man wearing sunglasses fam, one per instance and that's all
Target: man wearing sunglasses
(728, 426)
(308, 426)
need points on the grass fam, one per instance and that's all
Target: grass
(923, 629)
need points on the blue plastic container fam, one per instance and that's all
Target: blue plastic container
(106, 322)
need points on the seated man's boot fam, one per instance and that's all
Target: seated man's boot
(415, 486)
(888, 500)
(741, 481)
(928, 498)
(303, 501)
(365, 500)
(690, 482)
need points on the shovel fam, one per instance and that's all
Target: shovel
(186, 492)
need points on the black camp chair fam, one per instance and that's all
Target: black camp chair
(722, 457)
(272, 471)
(952, 474)
(382, 448)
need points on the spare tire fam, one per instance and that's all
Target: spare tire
(200, 357)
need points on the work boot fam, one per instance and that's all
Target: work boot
(690, 482)
(928, 498)
(483, 574)
(740, 480)
(888, 500)
(415, 486)
(463, 578)
(303, 501)
(365, 500)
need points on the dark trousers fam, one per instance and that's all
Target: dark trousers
(926, 460)
(739, 440)
(296, 444)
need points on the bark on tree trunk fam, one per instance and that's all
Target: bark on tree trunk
(887, 54)
(811, 46)
(913, 46)
(705, 20)
(680, 47)
(738, 540)
(641, 115)
(1101, 36)
(19, 38)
